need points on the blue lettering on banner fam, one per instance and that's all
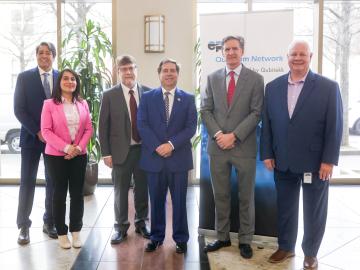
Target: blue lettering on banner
(219, 59)
(255, 58)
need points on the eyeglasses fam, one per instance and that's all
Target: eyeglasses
(125, 69)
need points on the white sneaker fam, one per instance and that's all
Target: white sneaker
(76, 241)
(64, 241)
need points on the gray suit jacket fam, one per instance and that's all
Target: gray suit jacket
(115, 124)
(241, 117)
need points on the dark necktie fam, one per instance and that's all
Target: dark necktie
(231, 88)
(46, 85)
(167, 106)
(133, 111)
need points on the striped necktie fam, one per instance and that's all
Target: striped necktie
(46, 85)
(167, 106)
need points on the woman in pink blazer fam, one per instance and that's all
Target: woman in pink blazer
(66, 128)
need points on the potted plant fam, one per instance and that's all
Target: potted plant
(84, 51)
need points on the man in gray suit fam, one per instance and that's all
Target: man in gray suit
(121, 146)
(231, 108)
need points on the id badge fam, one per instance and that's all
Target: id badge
(307, 178)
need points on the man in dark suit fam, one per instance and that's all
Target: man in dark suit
(167, 122)
(32, 88)
(231, 109)
(300, 141)
(121, 146)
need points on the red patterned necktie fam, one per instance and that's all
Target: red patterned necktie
(133, 111)
(231, 88)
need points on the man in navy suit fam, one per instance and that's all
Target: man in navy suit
(166, 122)
(300, 140)
(32, 88)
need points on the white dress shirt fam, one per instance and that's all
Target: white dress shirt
(171, 103)
(72, 120)
(236, 75)
(171, 98)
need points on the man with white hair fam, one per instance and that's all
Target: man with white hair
(300, 140)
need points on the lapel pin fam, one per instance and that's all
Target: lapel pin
(178, 99)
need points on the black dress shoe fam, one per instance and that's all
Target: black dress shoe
(143, 231)
(217, 245)
(152, 246)
(181, 248)
(245, 251)
(24, 237)
(50, 230)
(118, 237)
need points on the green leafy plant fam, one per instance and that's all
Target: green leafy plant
(85, 51)
(197, 52)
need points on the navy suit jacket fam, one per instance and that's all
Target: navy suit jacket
(28, 102)
(154, 131)
(313, 134)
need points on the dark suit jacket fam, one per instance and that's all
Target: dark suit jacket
(115, 124)
(154, 131)
(312, 135)
(28, 102)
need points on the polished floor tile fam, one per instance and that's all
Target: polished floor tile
(347, 257)
(340, 247)
(229, 259)
(131, 253)
(118, 266)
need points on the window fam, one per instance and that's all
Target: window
(341, 62)
(303, 15)
(24, 25)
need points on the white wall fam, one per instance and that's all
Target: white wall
(180, 21)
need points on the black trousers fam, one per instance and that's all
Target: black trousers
(67, 175)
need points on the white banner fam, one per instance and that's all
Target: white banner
(267, 36)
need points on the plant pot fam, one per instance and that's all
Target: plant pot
(91, 178)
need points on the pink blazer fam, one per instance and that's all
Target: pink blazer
(55, 131)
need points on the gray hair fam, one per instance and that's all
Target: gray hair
(299, 41)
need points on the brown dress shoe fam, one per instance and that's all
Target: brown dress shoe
(280, 256)
(310, 263)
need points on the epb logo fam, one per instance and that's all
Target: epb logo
(215, 45)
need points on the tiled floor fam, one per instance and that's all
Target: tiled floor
(340, 248)
(97, 252)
